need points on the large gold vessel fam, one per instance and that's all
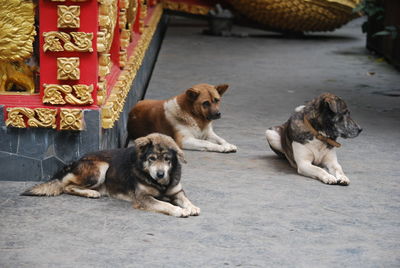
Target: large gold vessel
(297, 15)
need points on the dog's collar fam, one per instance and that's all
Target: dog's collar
(319, 136)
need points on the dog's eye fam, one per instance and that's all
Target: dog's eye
(206, 104)
(167, 158)
(152, 158)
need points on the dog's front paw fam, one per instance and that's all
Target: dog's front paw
(185, 212)
(194, 211)
(329, 179)
(92, 194)
(229, 148)
(343, 180)
(180, 212)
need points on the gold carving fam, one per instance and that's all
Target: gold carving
(17, 30)
(104, 65)
(122, 19)
(101, 92)
(143, 15)
(38, 117)
(123, 4)
(131, 13)
(101, 41)
(125, 38)
(71, 119)
(16, 75)
(68, 16)
(108, 10)
(82, 42)
(17, 34)
(112, 109)
(68, 68)
(53, 94)
(70, 0)
(123, 58)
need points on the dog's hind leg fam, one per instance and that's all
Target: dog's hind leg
(274, 140)
(88, 176)
(80, 191)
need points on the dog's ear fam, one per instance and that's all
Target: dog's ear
(336, 105)
(142, 143)
(172, 144)
(192, 93)
(222, 88)
(181, 155)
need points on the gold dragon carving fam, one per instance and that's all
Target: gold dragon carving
(81, 41)
(38, 117)
(17, 34)
(76, 94)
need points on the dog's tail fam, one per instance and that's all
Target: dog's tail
(53, 187)
(50, 188)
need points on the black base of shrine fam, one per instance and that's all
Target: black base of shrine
(35, 154)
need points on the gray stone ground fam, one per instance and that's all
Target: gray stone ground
(256, 211)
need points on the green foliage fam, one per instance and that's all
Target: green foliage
(389, 30)
(373, 9)
(370, 8)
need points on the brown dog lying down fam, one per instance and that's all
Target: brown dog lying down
(308, 138)
(147, 174)
(186, 118)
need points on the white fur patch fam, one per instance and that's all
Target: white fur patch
(319, 150)
(299, 108)
(274, 139)
(182, 121)
(103, 167)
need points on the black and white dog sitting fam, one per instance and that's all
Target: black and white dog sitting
(308, 138)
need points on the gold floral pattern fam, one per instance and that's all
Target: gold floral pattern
(81, 41)
(68, 68)
(62, 94)
(38, 117)
(68, 16)
(71, 119)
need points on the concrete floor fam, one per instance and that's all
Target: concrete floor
(256, 211)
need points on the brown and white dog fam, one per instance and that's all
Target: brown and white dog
(308, 139)
(147, 174)
(187, 118)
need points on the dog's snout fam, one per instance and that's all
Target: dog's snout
(160, 174)
(359, 130)
(217, 115)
